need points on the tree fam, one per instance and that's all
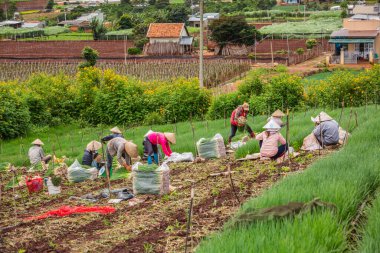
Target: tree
(50, 5)
(233, 30)
(162, 4)
(98, 29)
(125, 21)
(178, 14)
(90, 55)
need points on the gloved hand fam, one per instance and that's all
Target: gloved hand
(127, 167)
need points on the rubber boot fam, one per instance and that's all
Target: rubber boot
(156, 157)
(149, 159)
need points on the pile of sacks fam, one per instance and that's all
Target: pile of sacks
(211, 147)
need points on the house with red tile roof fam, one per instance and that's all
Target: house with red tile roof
(168, 39)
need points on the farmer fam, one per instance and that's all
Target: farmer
(36, 153)
(151, 141)
(277, 117)
(91, 157)
(326, 129)
(269, 139)
(123, 150)
(239, 119)
(115, 133)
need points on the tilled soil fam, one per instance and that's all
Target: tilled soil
(157, 224)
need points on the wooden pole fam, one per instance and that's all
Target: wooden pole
(188, 226)
(271, 51)
(201, 84)
(320, 133)
(232, 183)
(348, 129)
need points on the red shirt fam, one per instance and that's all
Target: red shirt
(238, 112)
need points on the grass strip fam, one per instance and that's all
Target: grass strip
(344, 178)
(371, 231)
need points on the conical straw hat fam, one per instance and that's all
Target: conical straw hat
(37, 142)
(131, 149)
(278, 113)
(272, 126)
(93, 146)
(115, 130)
(170, 137)
(245, 106)
(321, 117)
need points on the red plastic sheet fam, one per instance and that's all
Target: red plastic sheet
(68, 210)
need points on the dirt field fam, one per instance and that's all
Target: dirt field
(157, 224)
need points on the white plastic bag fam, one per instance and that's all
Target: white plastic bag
(211, 148)
(310, 143)
(51, 188)
(184, 157)
(156, 181)
(76, 174)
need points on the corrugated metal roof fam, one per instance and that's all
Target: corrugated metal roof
(165, 30)
(354, 34)
(350, 41)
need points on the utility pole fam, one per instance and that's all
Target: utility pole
(201, 45)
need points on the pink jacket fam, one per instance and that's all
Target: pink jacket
(270, 143)
(159, 138)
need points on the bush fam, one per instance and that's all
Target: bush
(223, 105)
(310, 43)
(154, 118)
(300, 51)
(14, 114)
(134, 51)
(252, 85)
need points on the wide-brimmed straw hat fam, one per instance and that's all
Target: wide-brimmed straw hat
(245, 106)
(278, 113)
(321, 117)
(115, 130)
(131, 149)
(170, 137)
(272, 126)
(37, 142)
(93, 146)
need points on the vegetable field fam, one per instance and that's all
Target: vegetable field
(156, 224)
(216, 71)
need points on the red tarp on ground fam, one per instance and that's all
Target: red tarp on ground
(68, 210)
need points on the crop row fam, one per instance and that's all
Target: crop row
(216, 72)
(345, 179)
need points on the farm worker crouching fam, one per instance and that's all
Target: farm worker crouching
(277, 117)
(239, 119)
(269, 139)
(115, 133)
(326, 129)
(124, 150)
(153, 139)
(36, 153)
(91, 157)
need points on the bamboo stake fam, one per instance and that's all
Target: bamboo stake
(188, 227)
(232, 183)
(59, 143)
(287, 134)
(341, 112)
(348, 129)
(225, 122)
(356, 119)
(320, 134)
(195, 143)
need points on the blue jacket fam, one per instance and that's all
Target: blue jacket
(88, 157)
(111, 136)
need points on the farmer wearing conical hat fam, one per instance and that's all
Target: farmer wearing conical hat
(91, 156)
(239, 119)
(115, 133)
(36, 153)
(123, 150)
(269, 140)
(277, 117)
(151, 141)
(326, 129)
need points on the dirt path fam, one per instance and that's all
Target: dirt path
(155, 225)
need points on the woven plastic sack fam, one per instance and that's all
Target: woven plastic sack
(211, 148)
(76, 174)
(310, 143)
(148, 179)
(184, 157)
